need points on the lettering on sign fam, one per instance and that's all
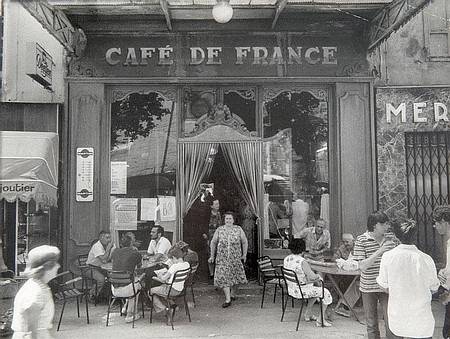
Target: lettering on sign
(417, 112)
(41, 67)
(252, 55)
(16, 188)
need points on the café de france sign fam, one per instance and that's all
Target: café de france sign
(252, 55)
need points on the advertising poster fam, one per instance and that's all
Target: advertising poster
(167, 208)
(148, 208)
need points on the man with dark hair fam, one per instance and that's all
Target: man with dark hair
(127, 258)
(369, 247)
(159, 245)
(409, 276)
(100, 253)
(441, 221)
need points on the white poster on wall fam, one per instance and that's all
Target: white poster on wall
(119, 177)
(148, 208)
(85, 174)
(124, 213)
(167, 208)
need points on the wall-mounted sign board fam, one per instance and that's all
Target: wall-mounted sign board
(85, 174)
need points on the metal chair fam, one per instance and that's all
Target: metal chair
(121, 279)
(87, 275)
(269, 275)
(291, 279)
(179, 277)
(65, 290)
(190, 282)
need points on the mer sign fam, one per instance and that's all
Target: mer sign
(417, 112)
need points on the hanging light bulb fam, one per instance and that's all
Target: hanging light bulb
(222, 11)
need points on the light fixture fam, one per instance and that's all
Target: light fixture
(222, 11)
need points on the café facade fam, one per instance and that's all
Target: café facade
(156, 123)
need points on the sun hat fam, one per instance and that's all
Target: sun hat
(39, 256)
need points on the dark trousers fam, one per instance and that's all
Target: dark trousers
(370, 304)
(446, 328)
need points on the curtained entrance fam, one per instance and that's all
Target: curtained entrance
(195, 162)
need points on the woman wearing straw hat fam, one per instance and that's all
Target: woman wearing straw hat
(33, 305)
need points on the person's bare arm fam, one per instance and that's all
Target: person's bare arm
(31, 316)
(244, 243)
(310, 275)
(108, 251)
(366, 263)
(213, 246)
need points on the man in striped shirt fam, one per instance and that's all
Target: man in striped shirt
(369, 247)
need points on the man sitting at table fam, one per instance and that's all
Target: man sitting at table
(317, 240)
(351, 291)
(127, 258)
(99, 254)
(159, 245)
(345, 250)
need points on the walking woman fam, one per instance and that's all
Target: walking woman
(33, 305)
(229, 251)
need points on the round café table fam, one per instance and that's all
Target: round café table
(333, 272)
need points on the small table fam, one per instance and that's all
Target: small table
(145, 264)
(331, 270)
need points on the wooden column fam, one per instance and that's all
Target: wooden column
(356, 162)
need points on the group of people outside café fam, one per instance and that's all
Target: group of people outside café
(396, 276)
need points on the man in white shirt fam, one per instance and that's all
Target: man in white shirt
(100, 253)
(159, 245)
(409, 276)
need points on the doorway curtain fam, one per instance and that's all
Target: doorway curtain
(196, 161)
(244, 159)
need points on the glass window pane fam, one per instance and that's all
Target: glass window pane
(143, 149)
(198, 102)
(242, 102)
(295, 162)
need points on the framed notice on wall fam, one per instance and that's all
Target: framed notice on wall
(85, 174)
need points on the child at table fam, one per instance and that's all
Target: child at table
(166, 277)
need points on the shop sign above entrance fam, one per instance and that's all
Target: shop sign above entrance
(256, 55)
(40, 65)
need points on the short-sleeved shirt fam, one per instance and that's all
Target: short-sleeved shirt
(96, 250)
(34, 294)
(173, 269)
(343, 252)
(125, 259)
(162, 246)
(365, 246)
(311, 241)
(410, 276)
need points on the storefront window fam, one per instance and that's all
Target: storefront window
(295, 162)
(198, 102)
(143, 165)
(242, 102)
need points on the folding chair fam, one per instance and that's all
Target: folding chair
(269, 275)
(65, 290)
(179, 277)
(291, 279)
(121, 279)
(190, 282)
(86, 274)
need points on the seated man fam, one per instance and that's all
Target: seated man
(352, 295)
(99, 254)
(345, 250)
(159, 245)
(317, 240)
(189, 255)
(127, 258)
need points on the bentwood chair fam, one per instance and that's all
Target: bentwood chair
(64, 290)
(86, 273)
(121, 279)
(170, 298)
(291, 280)
(270, 276)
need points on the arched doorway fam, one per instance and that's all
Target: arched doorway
(226, 154)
